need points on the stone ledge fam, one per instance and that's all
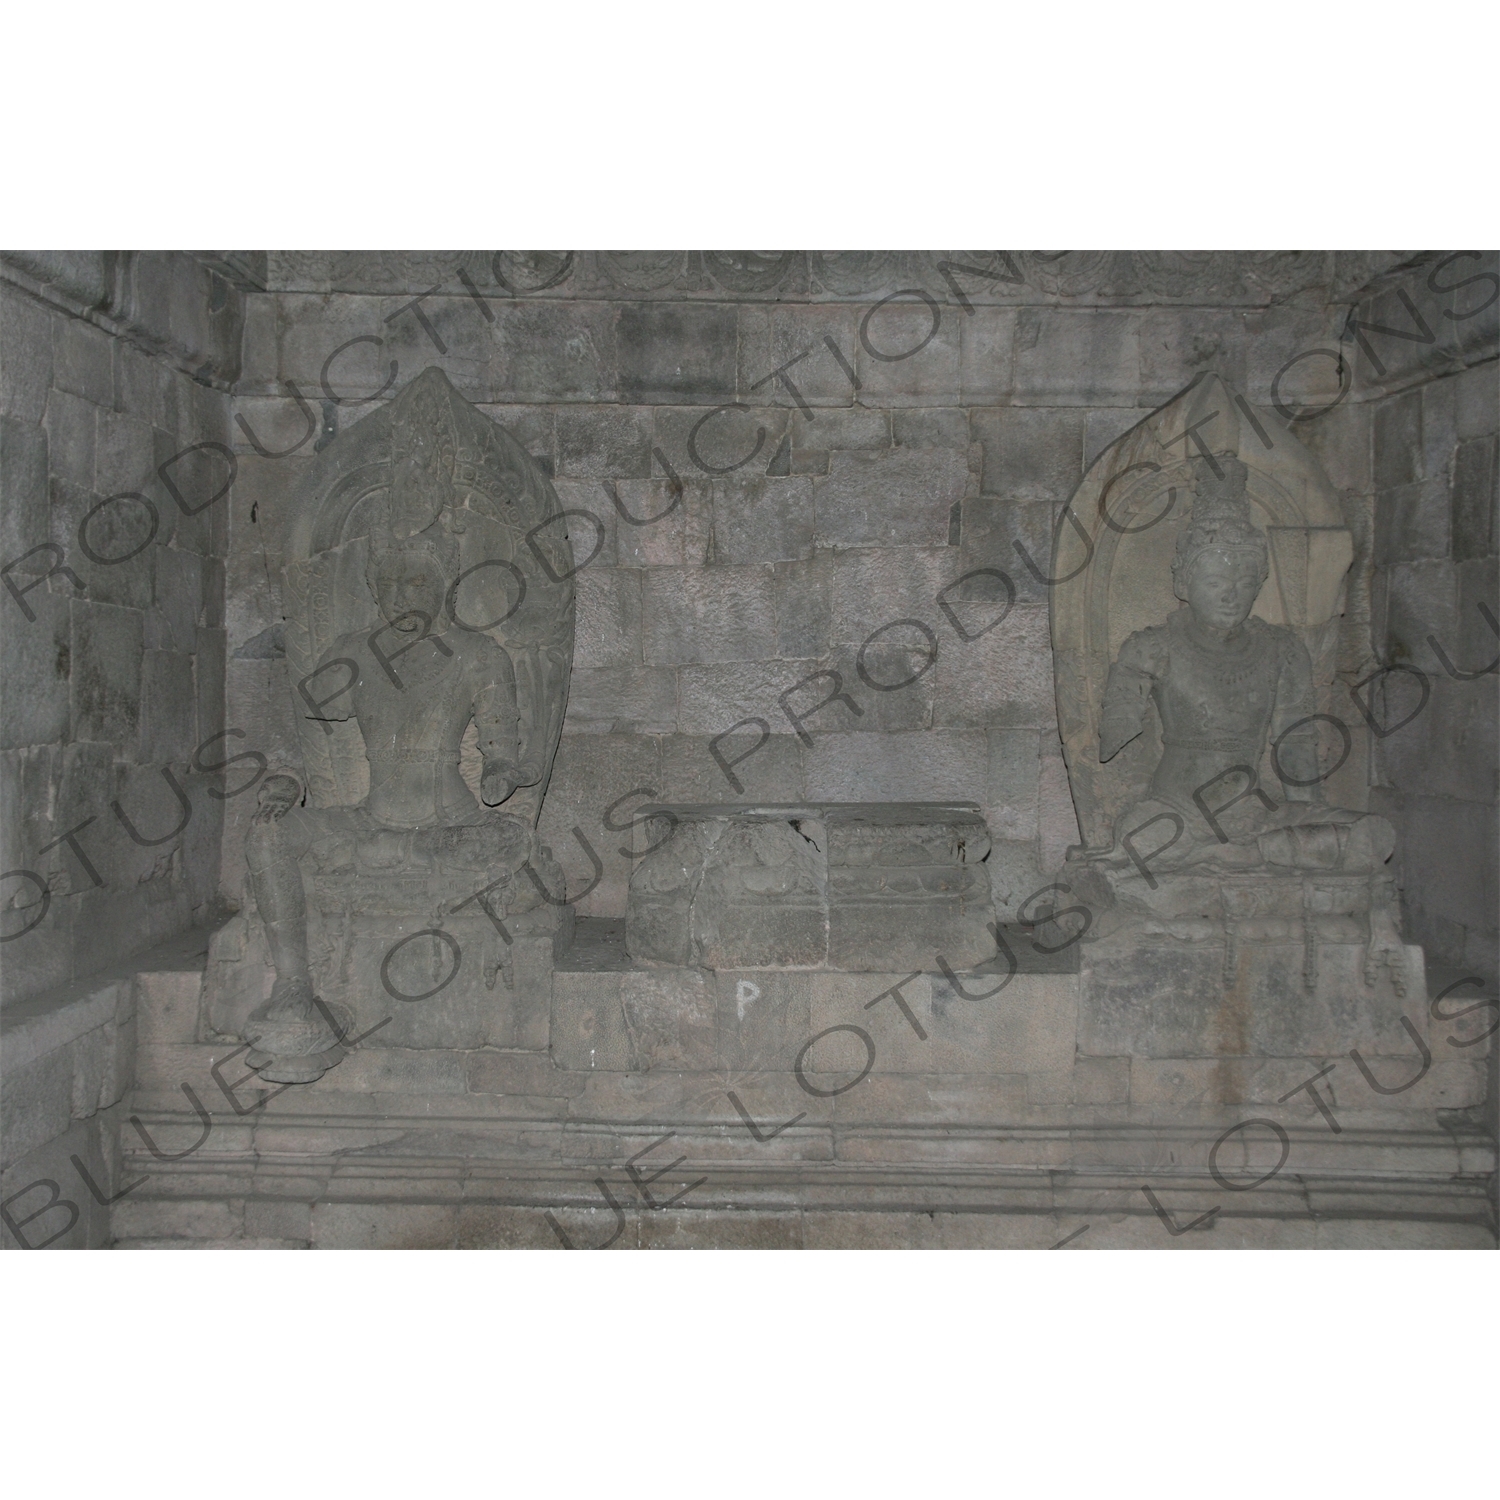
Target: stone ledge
(902, 1218)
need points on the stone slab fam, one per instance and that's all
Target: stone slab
(854, 886)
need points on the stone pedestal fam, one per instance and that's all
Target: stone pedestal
(860, 887)
(409, 971)
(766, 1108)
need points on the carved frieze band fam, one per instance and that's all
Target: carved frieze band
(994, 276)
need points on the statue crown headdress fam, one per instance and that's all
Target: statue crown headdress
(418, 506)
(1221, 517)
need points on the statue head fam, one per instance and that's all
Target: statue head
(1222, 558)
(410, 579)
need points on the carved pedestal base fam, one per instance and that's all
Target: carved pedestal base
(743, 1108)
(296, 1040)
(428, 978)
(861, 887)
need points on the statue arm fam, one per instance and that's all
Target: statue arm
(1297, 753)
(330, 684)
(499, 728)
(1131, 679)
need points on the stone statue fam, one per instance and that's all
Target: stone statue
(1225, 686)
(413, 686)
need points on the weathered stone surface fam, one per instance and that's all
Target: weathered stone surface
(1015, 875)
(604, 442)
(1176, 343)
(933, 765)
(1000, 679)
(1398, 441)
(1108, 425)
(1476, 499)
(764, 1017)
(552, 352)
(609, 617)
(773, 337)
(891, 677)
(1412, 521)
(34, 691)
(769, 769)
(1030, 454)
(1420, 600)
(169, 706)
(1080, 358)
(987, 360)
(804, 609)
(624, 699)
(179, 596)
(869, 589)
(598, 783)
(105, 672)
(850, 428)
(81, 361)
(898, 497)
(633, 1022)
(857, 887)
(25, 356)
(71, 430)
(23, 482)
(1026, 1026)
(908, 354)
(762, 520)
(1011, 793)
(677, 353)
(1477, 401)
(990, 529)
(386, 1226)
(670, 527)
(930, 427)
(728, 440)
(708, 615)
(1163, 1000)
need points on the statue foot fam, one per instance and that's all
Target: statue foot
(292, 1041)
(298, 1069)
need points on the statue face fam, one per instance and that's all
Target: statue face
(411, 583)
(1221, 589)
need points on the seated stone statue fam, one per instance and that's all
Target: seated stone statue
(1225, 684)
(414, 690)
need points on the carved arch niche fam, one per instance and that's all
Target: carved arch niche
(513, 543)
(1113, 562)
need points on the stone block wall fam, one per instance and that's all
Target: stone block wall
(114, 370)
(1413, 449)
(781, 466)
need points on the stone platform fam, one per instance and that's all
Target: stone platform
(855, 886)
(756, 1107)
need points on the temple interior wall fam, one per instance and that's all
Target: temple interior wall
(847, 507)
(867, 491)
(1416, 455)
(111, 365)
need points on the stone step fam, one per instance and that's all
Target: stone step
(483, 1226)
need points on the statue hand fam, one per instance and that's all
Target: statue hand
(497, 783)
(278, 795)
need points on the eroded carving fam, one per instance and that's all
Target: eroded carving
(430, 612)
(863, 887)
(1199, 750)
